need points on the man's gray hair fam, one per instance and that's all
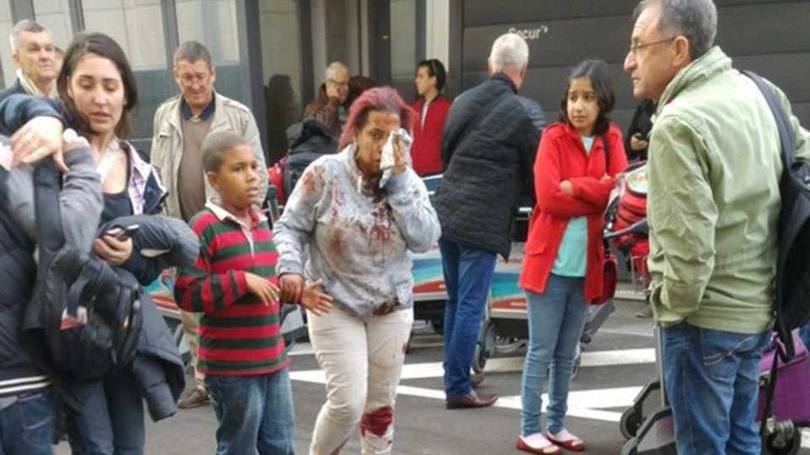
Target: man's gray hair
(192, 51)
(509, 51)
(25, 25)
(334, 67)
(694, 19)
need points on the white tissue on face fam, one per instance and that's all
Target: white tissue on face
(387, 157)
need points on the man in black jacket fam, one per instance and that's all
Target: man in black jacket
(488, 150)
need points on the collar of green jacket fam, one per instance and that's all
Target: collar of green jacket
(700, 70)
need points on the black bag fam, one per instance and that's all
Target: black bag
(313, 142)
(793, 265)
(296, 165)
(89, 311)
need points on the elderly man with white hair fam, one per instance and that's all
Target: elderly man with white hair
(488, 150)
(329, 107)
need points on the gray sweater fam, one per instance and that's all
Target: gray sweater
(80, 199)
(337, 229)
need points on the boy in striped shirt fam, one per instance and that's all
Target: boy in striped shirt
(233, 285)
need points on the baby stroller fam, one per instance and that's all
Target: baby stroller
(648, 423)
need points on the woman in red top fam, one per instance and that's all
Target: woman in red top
(577, 162)
(431, 111)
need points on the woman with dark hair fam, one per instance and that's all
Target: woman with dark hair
(343, 228)
(575, 169)
(97, 91)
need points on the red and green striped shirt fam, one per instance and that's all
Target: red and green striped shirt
(239, 336)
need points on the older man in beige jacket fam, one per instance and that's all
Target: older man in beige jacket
(181, 125)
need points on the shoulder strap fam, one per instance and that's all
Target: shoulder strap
(788, 144)
(782, 123)
(47, 187)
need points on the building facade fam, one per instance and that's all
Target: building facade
(271, 54)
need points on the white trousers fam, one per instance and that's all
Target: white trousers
(363, 362)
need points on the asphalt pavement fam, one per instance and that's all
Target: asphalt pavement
(618, 362)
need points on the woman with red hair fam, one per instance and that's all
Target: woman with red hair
(343, 228)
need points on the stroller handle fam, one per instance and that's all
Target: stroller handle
(639, 227)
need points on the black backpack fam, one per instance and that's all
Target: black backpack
(313, 142)
(793, 267)
(88, 312)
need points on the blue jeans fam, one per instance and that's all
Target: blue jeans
(254, 413)
(556, 319)
(27, 426)
(111, 421)
(467, 276)
(712, 382)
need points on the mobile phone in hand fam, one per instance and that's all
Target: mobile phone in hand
(123, 232)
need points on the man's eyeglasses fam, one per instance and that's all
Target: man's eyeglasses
(634, 48)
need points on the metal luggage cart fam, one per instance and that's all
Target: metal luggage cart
(505, 328)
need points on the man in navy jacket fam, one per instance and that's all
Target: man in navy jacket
(488, 149)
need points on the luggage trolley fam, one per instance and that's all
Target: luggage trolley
(505, 328)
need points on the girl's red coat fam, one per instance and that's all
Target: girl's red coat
(561, 156)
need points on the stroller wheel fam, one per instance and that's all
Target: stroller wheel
(630, 422)
(784, 438)
(485, 347)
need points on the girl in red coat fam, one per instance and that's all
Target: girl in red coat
(577, 162)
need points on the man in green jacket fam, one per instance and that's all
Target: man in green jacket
(714, 168)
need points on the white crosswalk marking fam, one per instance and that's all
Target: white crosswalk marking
(588, 404)
(594, 404)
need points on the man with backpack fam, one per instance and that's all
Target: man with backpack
(27, 403)
(714, 171)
